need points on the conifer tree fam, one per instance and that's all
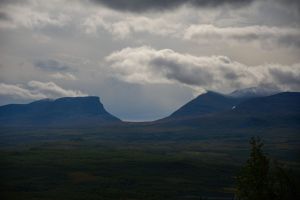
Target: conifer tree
(260, 179)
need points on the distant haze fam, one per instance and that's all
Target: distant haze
(146, 58)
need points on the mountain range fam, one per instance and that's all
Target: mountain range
(207, 110)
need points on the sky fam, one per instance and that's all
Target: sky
(146, 58)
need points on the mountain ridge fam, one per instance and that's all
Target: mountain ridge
(252, 92)
(207, 107)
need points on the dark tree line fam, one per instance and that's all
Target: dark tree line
(262, 179)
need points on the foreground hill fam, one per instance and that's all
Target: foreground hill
(67, 111)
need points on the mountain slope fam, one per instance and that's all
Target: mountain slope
(279, 110)
(207, 103)
(67, 111)
(282, 103)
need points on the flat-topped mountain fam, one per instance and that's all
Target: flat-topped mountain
(67, 111)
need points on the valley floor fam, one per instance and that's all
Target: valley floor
(77, 164)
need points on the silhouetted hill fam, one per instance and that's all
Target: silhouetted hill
(210, 102)
(282, 103)
(67, 111)
(215, 111)
(208, 111)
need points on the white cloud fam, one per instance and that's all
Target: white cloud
(19, 92)
(247, 33)
(127, 25)
(64, 76)
(51, 89)
(32, 17)
(37, 90)
(146, 65)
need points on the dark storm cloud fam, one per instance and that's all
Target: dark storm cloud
(290, 41)
(174, 71)
(4, 16)
(144, 5)
(8, 2)
(291, 3)
(286, 77)
(51, 65)
(4, 2)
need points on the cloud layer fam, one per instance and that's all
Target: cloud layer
(146, 65)
(160, 5)
(145, 5)
(131, 26)
(35, 90)
(262, 34)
